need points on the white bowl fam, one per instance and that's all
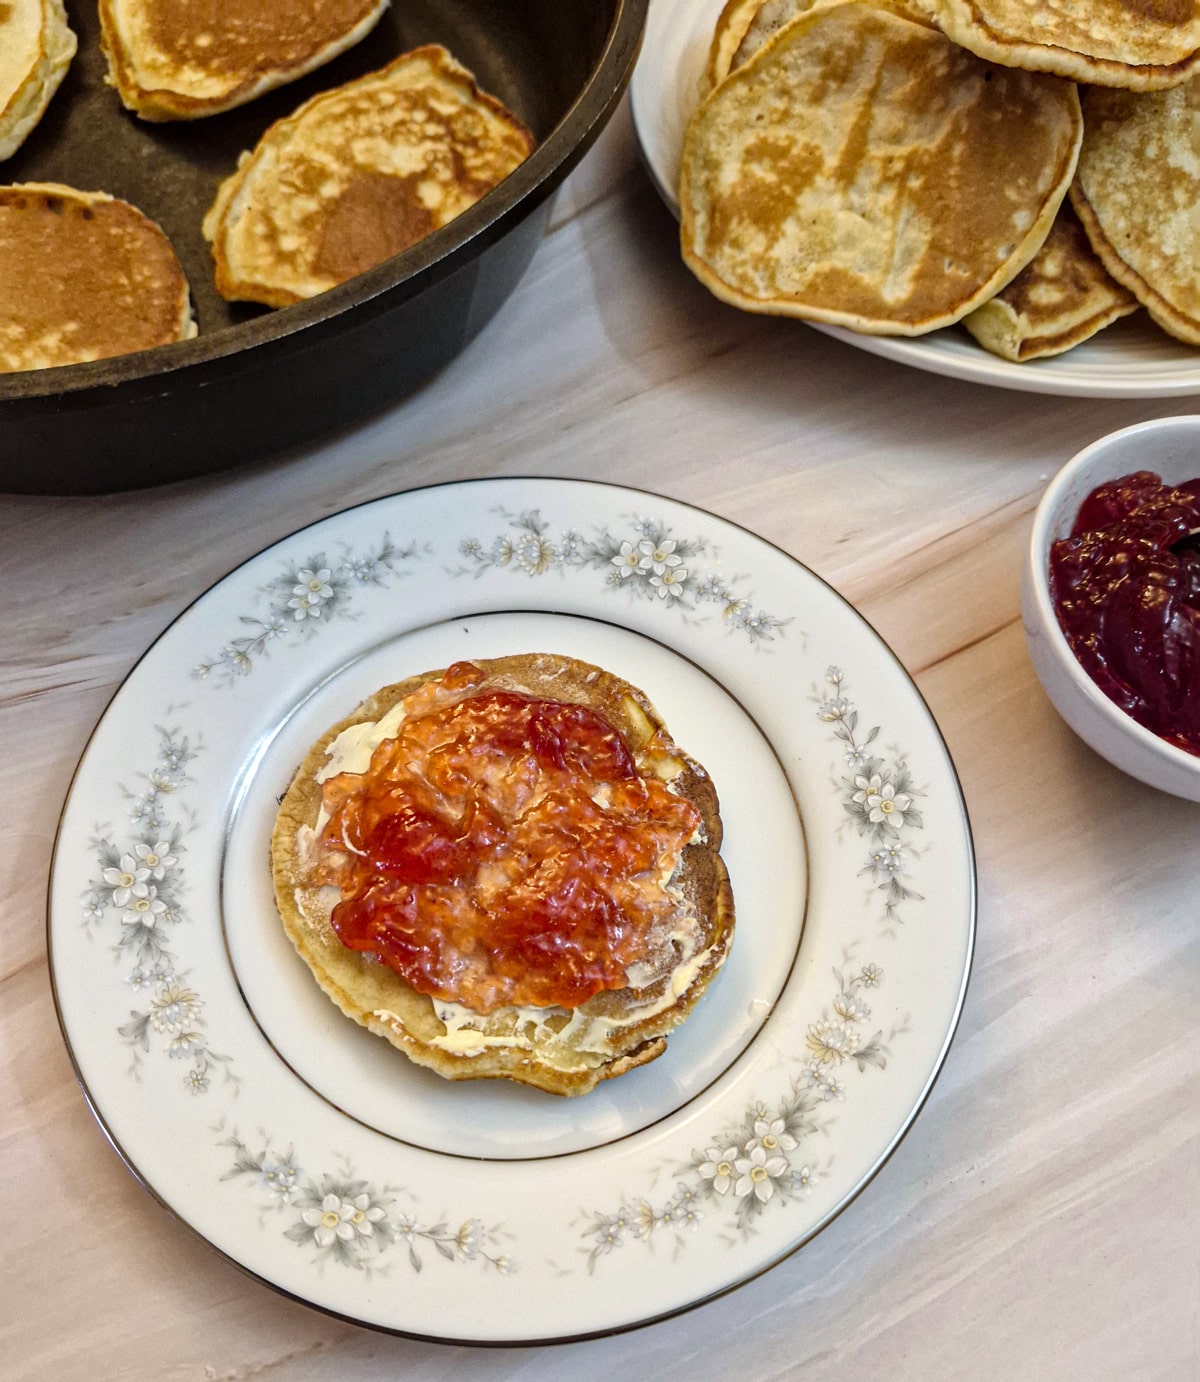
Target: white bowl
(1171, 448)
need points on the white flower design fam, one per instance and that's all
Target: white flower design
(157, 858)
(175, 1009)
(887, 861)
(279, 1178)
(712, 588)
(366, 1215)
(718, 1168)
(887, 806)
(867, 787)
(669, 582)
(145, 907)
(805, 1178)
(124, 879)
(627, 560)
(658, 556)
(331, 1221)
(833, 709)
(310, 592)
(196, 1081)
(850, 1009)
(832, 1088)
(831, 1042)
(757, 1174)
(771, 1135)
(871, 975)
(184, 1044)
(534, 554)
(469, 1239)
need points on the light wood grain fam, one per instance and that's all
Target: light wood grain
(1041, 1219)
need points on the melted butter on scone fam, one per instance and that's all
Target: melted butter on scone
(551, 1015)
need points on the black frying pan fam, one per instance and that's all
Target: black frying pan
(255, 382)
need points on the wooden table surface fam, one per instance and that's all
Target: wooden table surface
(1042, 1218)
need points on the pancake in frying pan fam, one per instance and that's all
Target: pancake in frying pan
(358, 174)
(183, 59)
(83, 276)
(36, 48)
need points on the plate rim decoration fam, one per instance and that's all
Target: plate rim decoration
(1130, 359)
(554, 1246)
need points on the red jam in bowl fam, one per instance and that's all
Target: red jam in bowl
(1126, 589)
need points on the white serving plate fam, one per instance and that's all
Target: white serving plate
(314, 1155)
(1131, 359)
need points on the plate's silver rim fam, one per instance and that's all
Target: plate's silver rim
(1037, 376)
(629, 1325)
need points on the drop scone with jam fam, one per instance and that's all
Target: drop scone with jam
(509, 870)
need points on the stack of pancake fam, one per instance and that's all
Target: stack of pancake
(896, 166)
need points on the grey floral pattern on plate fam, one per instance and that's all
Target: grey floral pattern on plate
(350, 1221)
(761, 1162)
(878, 795)
(139, 886)
(304, 596)
(648, 562)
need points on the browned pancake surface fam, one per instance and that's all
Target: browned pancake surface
(179, 59)
(83, 278)
(1063, 296)
(358, 174)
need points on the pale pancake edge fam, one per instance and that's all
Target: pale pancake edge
(819, 179)
(1137, 194)
(1062, 297)
(1139, 45)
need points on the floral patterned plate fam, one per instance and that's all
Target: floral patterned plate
(314, 1155)
(1132, 359)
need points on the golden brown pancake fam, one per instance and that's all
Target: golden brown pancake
(36, 48)
(1140, 45)
(732, 23)
(863, 170)
(182, 59)
(1137, 193)
(564, 1050)
(358, 174)
(1061, 297)
(83, 276)
(768, 20)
